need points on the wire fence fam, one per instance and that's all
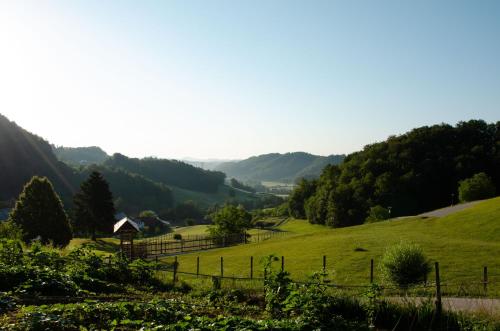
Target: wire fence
(253, 278)
(168, 245)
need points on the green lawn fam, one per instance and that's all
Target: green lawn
(463, 243)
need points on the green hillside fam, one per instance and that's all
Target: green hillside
(463, 243)
(279, 167)
(80, 155)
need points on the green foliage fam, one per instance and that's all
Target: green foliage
(415, 172)
(94, 207)
(40, 214)
(378, 213)
(10, 230)
(229, 220)
(304, 190)
(405, 264)
(277, 287)
(479, 186)
(177, 236)
(147, 213)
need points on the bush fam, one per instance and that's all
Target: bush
(10, 230)
(378, 213)
(404, 264)
(178, 236)
(477, 187)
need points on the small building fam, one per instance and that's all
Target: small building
(127, 230)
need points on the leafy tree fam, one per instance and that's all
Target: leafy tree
(304, 190)
(477, 187)
(94, 208)
(40, 213)
(378, 213)
(230, 220)
(10, 230)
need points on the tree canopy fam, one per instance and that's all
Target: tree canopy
(477, 187)
(412, 173)
(230, 220)
(40, 214)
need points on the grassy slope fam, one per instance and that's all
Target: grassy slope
(463, 243)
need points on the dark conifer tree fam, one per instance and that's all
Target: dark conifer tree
(40, 213)
(94, 208)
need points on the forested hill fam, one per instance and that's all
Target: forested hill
(412, 173)
(24, 155)
(279, 167)
(170, 172)
(81, 155)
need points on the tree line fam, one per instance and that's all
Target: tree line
(406, 175)
(39, 213)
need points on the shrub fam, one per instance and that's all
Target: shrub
(378, 213)
(477, 187)
(178, 236)
(404, 264)
(10, 230)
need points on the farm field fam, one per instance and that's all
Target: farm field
(463, 243)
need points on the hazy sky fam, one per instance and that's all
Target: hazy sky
(230, 79)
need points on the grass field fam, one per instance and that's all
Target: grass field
(463, 243)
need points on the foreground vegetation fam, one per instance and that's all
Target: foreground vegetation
(48, 289)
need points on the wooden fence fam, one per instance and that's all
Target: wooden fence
(167, 245)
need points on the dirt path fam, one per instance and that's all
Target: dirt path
(485, 305)
(449, 210)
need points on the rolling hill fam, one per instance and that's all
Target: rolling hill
(136, 184)
(275, 167)
(463, 242)
(80, 155)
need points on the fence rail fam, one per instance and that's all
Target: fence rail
(167, 245)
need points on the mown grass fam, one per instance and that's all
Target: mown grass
(463, 243)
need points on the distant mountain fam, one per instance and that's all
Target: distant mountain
(276, 167)
(81, 155)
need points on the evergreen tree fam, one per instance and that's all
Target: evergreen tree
(94, 207)
(40, 213)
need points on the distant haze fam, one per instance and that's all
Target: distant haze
(230, 79)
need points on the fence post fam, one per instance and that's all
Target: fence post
(324, 263)
(221, 266)
(485, 279)
(175, 270)
(439, 305)
(371, 271)
(282, 263)
(197, 266)
(251, 267)
(156, 259)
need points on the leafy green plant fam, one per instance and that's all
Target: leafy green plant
(277, 286)
(404, 264)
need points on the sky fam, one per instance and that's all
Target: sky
(231, 79)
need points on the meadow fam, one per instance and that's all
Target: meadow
(463, 243)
